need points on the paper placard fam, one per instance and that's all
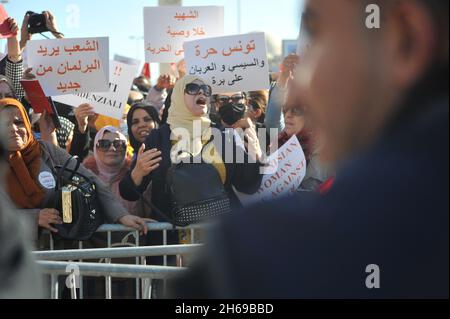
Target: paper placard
(230, 64)
(69, 66)
(112, 103)
(166, 28)
(289, 167)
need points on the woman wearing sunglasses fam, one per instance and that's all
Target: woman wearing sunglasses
(295, 124)
(190, 101)
(220, 100)
(31, 181)
(110, 163)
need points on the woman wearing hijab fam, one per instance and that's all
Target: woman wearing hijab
(142, 119)
(161, 149)
(31, 177)
(111, 163)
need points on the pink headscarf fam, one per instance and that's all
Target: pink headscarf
(108, 173)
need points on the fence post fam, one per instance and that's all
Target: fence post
(108, 284)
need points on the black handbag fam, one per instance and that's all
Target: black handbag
(197, 192)
(77, 202)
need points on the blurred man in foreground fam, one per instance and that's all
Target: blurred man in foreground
(379, 101)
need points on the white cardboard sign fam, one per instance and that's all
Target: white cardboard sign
(166, 28)
(230, 64)
(112, 103)
(68, 66)
(289, 165)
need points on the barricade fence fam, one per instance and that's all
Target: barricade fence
(69, 262)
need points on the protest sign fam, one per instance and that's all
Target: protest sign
(126, 60)
(288, 168)
(230, 64)
(68, 66)
(112, 103)
(290, 47)
(166, 28)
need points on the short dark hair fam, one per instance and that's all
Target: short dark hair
(435, 79)
(439, 11)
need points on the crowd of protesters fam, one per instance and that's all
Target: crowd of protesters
(129, 159)
(124, 161)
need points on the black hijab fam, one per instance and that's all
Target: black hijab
(152, 112)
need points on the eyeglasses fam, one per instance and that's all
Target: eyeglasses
(294, 111)
(235, 99)
(105, 145)
(194, 89)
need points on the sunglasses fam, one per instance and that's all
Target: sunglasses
(105, 145)
(235, 99)
(194, 89)
(294, 111)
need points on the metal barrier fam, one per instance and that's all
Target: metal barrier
(139, 260)
(114, 270)
(55, 268)
(97, 253)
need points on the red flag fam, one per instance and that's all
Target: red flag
(39, 102)
(146, 71)
(5, 32)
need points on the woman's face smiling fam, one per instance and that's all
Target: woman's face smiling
(141, 125)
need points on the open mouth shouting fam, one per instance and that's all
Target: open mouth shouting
(201, 101)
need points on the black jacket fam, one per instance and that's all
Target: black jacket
(389, 207)
(245, 177)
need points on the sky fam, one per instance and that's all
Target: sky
(122, 20)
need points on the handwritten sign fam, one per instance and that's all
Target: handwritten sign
(68, 66)
(166, 28)
(112, 103)
(129, 61)
(289, 165)
(230, 64)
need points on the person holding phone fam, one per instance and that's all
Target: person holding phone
(190, 101)
(31, 180)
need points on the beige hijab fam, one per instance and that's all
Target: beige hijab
(181, 117)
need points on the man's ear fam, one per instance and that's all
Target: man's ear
(412, 41)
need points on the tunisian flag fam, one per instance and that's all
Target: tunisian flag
(146, 71)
